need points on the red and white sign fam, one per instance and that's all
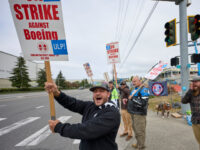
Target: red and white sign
(88, 69)
(40, 29)
(157, 69)
(113, 52)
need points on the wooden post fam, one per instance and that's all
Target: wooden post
(141, 86)
(51, 96)
(92, 80)
(106, 77)
(115, 74)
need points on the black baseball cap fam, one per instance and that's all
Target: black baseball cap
(110, 82)
(101, 85)
(123, 83)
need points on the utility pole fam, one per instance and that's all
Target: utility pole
(184, 52)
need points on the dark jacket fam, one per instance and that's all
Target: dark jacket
(194, 104)
(124, 93)
(99, 125)
(139, 103)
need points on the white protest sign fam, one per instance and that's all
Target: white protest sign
(156, 70)
(113, 52)
(40, 29)
(88, 69)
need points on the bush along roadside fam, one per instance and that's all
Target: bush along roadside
(20, 90)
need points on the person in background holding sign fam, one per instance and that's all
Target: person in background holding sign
(126, 117)
(114, 96)
(137, 107)
(193, 97)
(100, 122)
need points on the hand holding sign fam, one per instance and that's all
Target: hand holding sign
(52, 88)
(52, 124)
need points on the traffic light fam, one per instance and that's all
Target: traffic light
(194, 26)
(174, 61)
(170, 33)
(195, 58)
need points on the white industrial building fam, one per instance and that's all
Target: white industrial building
(8, 62)
(174, 74)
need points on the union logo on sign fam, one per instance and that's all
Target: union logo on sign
(42, 47)
(157, 89)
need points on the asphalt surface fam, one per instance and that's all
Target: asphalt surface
(23, 121)
(24, 118)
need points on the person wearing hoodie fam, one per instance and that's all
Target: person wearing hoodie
(100, 118)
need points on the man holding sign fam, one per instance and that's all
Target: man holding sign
(100, 122)
(137, 107)
(138, 104)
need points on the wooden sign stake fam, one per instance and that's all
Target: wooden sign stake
(92, 80)
(115, 74)
(51, 96)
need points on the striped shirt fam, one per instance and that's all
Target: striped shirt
(194, 104)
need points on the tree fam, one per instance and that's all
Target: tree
(41, 78)
(84, 83)
(20, 76)
(131, 78)
(60, 80)
(76, 84)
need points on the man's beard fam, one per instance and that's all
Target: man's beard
(196, 92)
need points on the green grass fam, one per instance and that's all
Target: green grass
(156, 100)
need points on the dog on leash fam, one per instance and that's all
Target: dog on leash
(164, 108)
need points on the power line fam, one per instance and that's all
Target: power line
(118, 20)
(123, 21)
(134, 24)
(139, 34)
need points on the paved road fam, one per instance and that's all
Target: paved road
(23, 122)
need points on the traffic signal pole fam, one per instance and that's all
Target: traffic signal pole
(184, 52)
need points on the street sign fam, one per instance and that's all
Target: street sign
(113, 52)
(40, 29)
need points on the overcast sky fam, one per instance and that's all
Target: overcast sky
(90, 24)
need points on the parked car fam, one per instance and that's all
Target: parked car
(81, 88)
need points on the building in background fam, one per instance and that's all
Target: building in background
(8, 62)
(173, 74)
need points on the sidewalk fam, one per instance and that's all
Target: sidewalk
(121, 142)
(163, 134)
